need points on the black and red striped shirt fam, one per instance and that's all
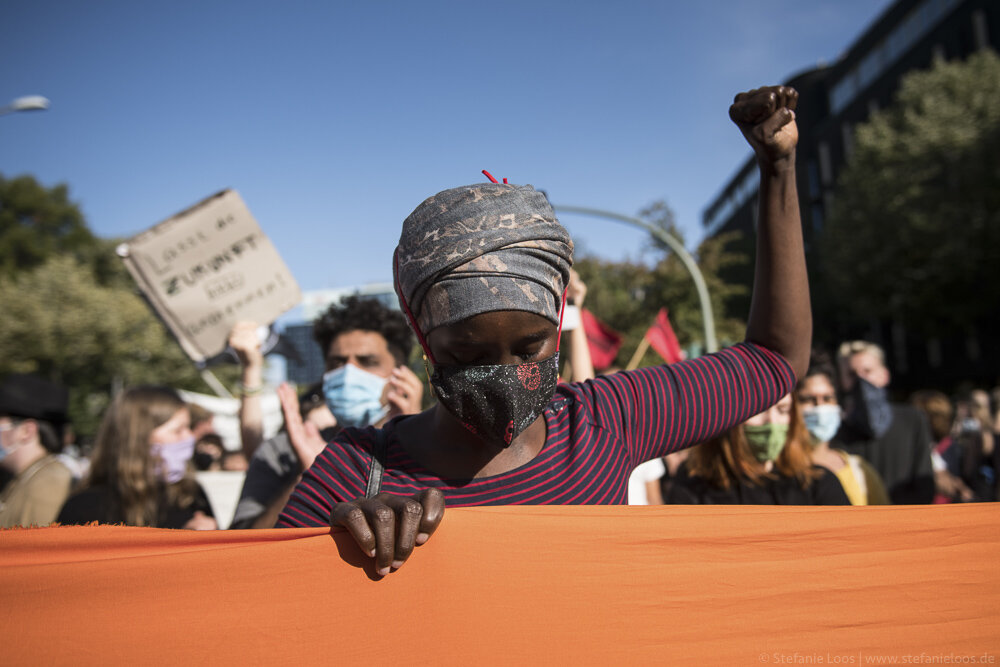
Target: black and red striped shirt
(597, 432)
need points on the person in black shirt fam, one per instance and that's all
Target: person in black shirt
(893, 437)
(139, 475)
(764, 461)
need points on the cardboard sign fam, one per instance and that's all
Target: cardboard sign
(207, 268)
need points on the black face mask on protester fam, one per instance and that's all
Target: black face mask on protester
(497, 402)
(868, 411)
(203, 460)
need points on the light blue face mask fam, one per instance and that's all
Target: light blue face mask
(4, 451)
(823, 422)
(354, 396)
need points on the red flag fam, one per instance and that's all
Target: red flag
(602, 340)
(662, 338)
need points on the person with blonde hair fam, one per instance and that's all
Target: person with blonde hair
(139, 473)
(893, 437)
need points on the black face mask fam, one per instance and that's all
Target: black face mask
(868, 411)
(497, 402)
(203, 460)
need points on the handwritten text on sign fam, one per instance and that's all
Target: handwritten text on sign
(208, 267)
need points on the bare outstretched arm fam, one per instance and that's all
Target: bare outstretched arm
(780, 314)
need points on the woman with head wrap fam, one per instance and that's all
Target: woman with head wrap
(480, 272)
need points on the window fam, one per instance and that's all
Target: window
(914, 25)
(843, 92)
(980, 35)
(934, 352)
(816, 215)
(972, 348)
(825, 165)
(870, 67)
(812, 173)
(847, 134)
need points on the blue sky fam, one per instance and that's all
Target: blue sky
(334, 120)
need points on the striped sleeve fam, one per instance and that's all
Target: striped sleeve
(660, 409)
(339, 474)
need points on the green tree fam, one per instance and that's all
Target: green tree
(916, 223)
(676, 290)
(37, 223)
(628, 295)
(59, 322)
(71, 311)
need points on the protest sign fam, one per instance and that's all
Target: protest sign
(208, 267)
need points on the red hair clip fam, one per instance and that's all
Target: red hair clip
(493, 180)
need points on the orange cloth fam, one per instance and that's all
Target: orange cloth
(519, 586)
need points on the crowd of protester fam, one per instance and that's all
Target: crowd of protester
(802, 450)
(768, 421)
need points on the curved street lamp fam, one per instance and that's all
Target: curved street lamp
(26, 103)
(711, 345)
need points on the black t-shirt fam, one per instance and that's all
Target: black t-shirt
(902, 456)
(778, 489)
(101, 504)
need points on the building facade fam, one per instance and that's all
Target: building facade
(833, 100)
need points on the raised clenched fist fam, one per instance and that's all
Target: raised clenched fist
(766, 117)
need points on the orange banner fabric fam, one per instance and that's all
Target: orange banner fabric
(521, 586)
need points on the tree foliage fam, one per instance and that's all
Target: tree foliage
(62, 324)
(916, 223)
(71, 312)
(37, 223)
(628, 295)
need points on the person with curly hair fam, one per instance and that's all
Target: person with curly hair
(367, 382)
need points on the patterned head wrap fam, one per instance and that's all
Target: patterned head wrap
(481, 248)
